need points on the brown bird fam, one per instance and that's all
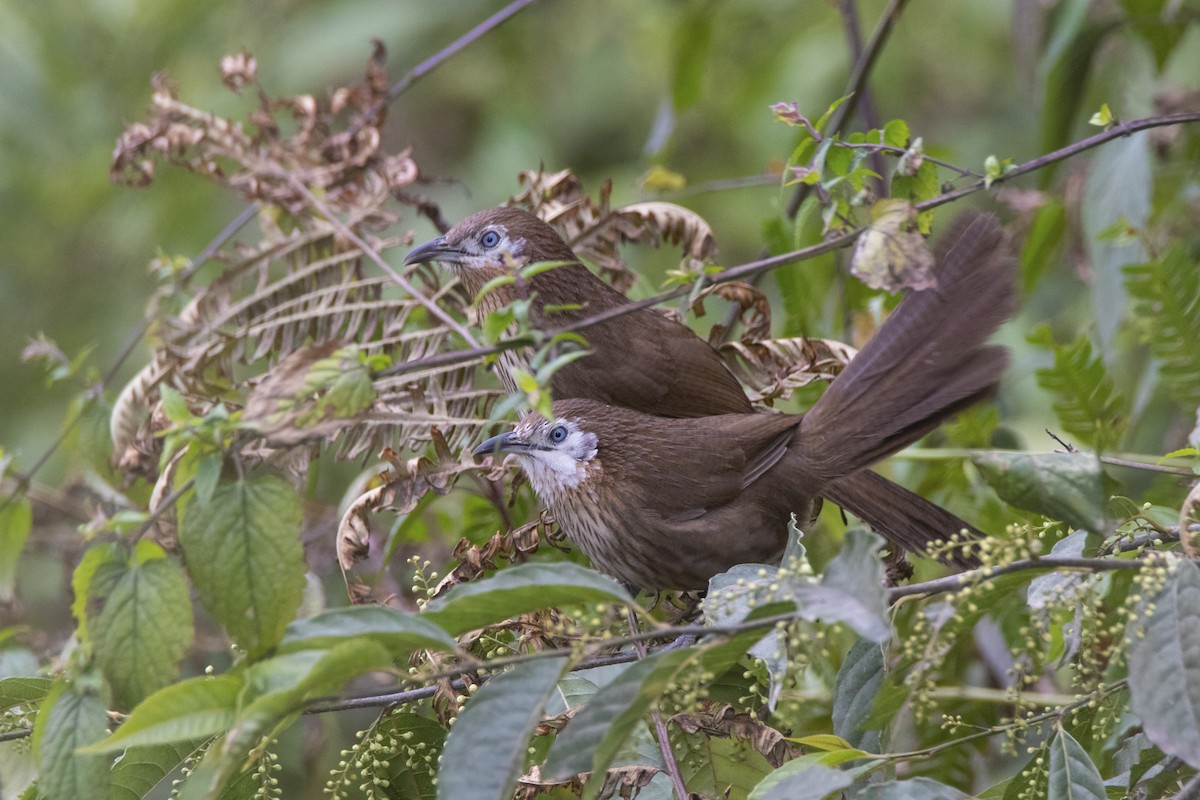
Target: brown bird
(645, 362)
(663, 503)
(641, 360)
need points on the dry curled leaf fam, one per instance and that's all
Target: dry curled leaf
(724, 722)
(340, 162)
(774, 368)
(891, 254)
(753, 309)
(401, 489)
(667, 222)
(595, 231)
(471, 560)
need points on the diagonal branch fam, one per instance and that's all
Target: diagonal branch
(751, 268)
(854, 87)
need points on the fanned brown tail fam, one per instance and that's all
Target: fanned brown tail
(904, 518)
(927, 361)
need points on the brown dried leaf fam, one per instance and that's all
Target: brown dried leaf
(592, 229)
(667, 222)
(753, 309)
(891, 254)
(723, 722)
(337, 159)
(595, 231)
(401, 490)
(774, 368)
(474, 560)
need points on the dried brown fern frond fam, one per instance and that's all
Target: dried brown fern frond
(292, 326)
(399, 490)
(595, 230)
(753, 309)
(774, 368)
(284, 140)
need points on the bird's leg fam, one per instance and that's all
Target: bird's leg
(660, 726)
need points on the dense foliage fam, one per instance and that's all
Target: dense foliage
(255, 606)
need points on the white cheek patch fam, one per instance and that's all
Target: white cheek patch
(553, 470)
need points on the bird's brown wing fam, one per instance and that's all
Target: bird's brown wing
(683, 468)
(642, 360)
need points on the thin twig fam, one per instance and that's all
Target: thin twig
(1024, 722)
(433, 62)
(866, 101)
(854, 86)
(976, 576)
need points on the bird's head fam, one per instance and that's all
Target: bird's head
(556, 454)
(495, 239)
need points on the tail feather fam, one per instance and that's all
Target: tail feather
(902, 517)
(926, 362)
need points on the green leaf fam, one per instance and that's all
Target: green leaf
(1064, 71)
(895, 133)
(519, 590)
(280, 685)
(1052, 586)
(496, 324)
(591, 740)
(16, 520)
(144, 626)
(183, 712)
(485, 751)
(852, 588)
(69, 721)
(711, 766)
(174, 406)
(23, 691)
(97, 558)
(1167, 306)
(858, 682)
(802, 779)
(1104, 118)
(1118, 190)
(244, 555)
(1042, 242)
(140, 769)
(19, 770)
(1164, 664)
(1086, 401)
(1062, 486)
(913, 789)
(1072, 776)
(398, 632)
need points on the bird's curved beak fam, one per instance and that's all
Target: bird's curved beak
(508, 442)
(434, 250)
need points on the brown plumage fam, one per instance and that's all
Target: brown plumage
(642, 360)
(925, 363)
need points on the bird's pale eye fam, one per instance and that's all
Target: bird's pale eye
(489, 239)
(558, 433)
